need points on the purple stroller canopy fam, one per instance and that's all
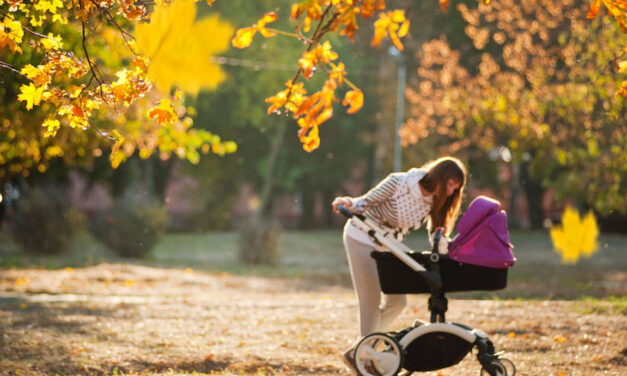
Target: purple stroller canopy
(483, 238)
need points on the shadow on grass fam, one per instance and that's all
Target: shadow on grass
(31, 338)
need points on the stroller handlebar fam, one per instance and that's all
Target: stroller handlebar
(347, 213)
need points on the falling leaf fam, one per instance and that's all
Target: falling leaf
(576, 237)
(69, 269)
(180, 48)
(511, 334)
(129, 282)
(444, 5)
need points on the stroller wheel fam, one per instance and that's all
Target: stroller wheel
(378, 354)
(503, 367)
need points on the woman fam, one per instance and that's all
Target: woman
(403, 202)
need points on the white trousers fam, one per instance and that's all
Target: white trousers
(377, 311)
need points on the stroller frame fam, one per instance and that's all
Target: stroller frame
(423, 346)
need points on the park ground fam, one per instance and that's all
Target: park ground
(190, 309)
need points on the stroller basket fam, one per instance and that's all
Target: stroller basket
(396, 277)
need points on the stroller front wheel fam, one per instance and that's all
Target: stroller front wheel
(378, 354)
(503, 367)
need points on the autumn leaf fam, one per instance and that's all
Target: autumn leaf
(444, 5)
(595, 8)
(51, 125)
(392, 24)
(164, 112)
(354, 99)
(31, 94)
(11, 34)
(180, 48)
(576, 237)
(310, 138)
(261, 24)
(244, 36)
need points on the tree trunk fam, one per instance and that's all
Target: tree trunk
(534, 193)
(260, 236)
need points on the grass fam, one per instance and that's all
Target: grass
(318, 257)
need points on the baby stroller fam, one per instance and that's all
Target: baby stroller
(478, 259)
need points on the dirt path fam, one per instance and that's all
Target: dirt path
(122, 319)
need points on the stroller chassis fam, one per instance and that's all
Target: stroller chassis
(423, 346)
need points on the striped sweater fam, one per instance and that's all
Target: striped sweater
(396, 202)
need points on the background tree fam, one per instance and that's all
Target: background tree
(544, 90)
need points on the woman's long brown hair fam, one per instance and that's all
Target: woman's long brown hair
(444, 210)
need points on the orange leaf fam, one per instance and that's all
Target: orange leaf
(309, 137)
(444, 5)
(595, 8)
(354, 99)
(244, 37)
(164, 112)
(266, 19)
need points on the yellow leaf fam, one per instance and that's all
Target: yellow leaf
(244, 37)
(129, 282)
(559, 339)
(266, 19)
(622, 66)
(52, 43)
(31, 95)
(52, 126)
(576, 237)
(164, 112)
(354, 99)
(11, 34)
(511, 334)
(180, 48)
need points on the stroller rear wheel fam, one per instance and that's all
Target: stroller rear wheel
(503, 367)
(378, 354)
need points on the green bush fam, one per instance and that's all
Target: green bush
(132, 226)
(43, 221)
